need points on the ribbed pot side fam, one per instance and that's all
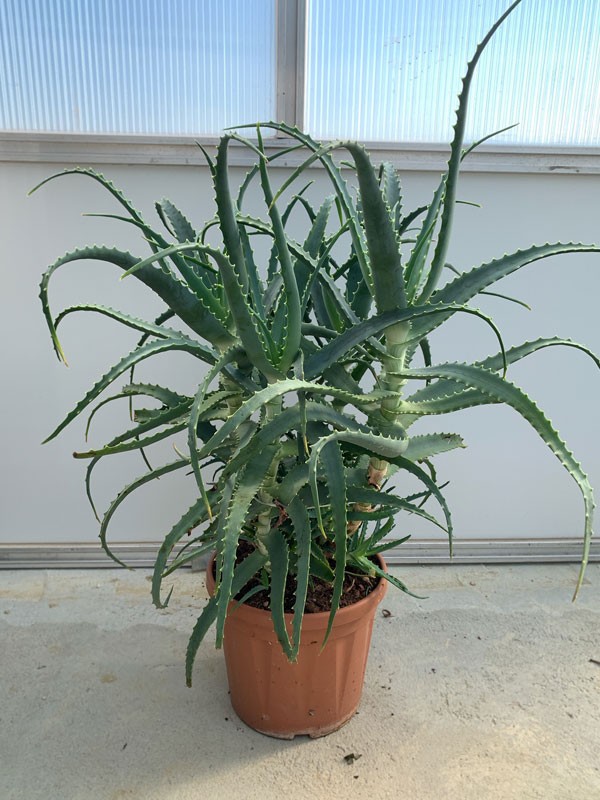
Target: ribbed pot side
(315, 695)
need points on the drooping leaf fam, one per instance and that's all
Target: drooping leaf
(243, 573)
(141, 353)
(502, 391)
(430, 444)
(129, 489)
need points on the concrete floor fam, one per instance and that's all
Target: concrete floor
(486, 690)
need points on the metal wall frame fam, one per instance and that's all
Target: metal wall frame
(290, 32)
(425, 551)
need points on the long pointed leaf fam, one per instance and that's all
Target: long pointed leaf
(333, 468)
(246, 489)
(333, 351)
(456, 147)
(192, 517)
(279, 559)
(382, 245)
(302, 535)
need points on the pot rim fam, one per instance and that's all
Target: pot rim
(311, 619)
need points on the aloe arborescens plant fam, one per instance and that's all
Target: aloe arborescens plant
(306, 391)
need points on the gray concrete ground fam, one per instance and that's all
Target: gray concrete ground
(486, 690)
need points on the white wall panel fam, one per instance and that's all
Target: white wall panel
(507, 484)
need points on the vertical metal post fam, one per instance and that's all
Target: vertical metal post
(291, 48)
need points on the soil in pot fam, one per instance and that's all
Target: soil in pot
(356, 588)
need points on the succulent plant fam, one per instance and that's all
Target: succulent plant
(307, 384)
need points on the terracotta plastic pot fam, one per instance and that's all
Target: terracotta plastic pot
(315, 695)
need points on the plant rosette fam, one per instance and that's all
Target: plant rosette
(314, 364)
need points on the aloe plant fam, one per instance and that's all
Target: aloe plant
(308, 387)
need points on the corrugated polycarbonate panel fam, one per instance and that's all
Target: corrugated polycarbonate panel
(168, 67)
(391, 70)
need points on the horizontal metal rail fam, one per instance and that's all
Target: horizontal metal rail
(426, 551)
(74, 148)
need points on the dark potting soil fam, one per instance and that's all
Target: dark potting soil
(356, 587)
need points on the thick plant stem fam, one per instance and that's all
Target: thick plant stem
(235, 400)
(265, 496)
(393, 363)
